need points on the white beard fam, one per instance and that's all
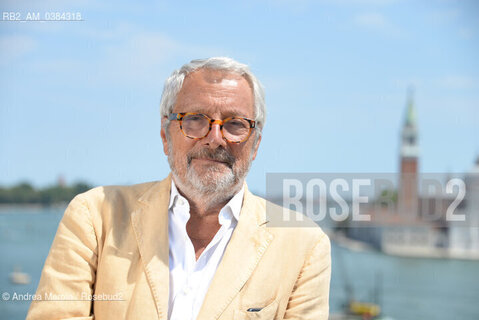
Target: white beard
(213, 186)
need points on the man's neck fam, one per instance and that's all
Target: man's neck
(203, 223)
(202, 205)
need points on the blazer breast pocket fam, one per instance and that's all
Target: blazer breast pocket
(266, 313)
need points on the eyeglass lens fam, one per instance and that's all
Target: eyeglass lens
(198, 126)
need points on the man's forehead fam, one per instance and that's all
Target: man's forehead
(216, 90)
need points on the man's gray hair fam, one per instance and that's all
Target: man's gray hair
(174, 83)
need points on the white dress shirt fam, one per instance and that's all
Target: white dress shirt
(190, 278)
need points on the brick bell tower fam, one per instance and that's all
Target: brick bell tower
(409, 156)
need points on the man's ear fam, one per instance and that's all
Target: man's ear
(164, 120)
(255, 148)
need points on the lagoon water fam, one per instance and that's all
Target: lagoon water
(410, 289)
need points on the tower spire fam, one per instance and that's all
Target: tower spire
(409, 136)
(411, 110)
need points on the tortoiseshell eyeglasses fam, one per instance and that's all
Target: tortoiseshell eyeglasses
(197, 126)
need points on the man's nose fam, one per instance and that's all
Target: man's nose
(215, 137)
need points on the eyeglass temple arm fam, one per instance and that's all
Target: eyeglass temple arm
(173, 116)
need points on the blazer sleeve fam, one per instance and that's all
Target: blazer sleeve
(310, 296)
(67, 279)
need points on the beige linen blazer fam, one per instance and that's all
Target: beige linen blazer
(109, 260)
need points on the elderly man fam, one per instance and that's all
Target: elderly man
(196, 245)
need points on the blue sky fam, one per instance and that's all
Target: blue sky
(80, 99)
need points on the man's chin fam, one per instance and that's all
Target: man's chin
(212, 181)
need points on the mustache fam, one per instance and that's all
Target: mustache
(218, 154)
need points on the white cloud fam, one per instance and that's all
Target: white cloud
(375, 20)
(34, 5)
(302, 5)
(14, 47)
(466, 33)
(361, 2)
(445, 16)
(118, 32)
(451, 82)
(404, 83)
(142, 55)
(457, 82)
(126, 56)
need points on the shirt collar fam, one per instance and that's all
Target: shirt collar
(173, 195)
(232, 207)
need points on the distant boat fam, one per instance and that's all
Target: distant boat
(354, 309)
(18, 277)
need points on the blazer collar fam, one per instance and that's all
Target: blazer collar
(150, 225)
(247, 245)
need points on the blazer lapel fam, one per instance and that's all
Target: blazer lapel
(245, 249)
(150, 225)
